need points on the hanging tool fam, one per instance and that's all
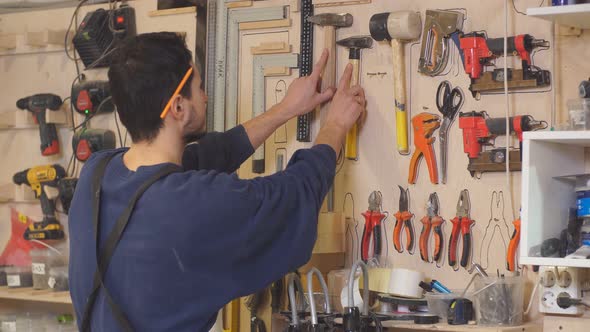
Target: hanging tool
(431, 221)
(513, 246)
(439, 25)
(398, 27)
(403, 220)
(305, 65)
(448, 102)
(372, 231)
(38, 105)
(259, 64)
(479, 130)
(479, 51)
(88, 97)
(39, 179)
(461, 225)
(330, 22)
(354, 44)
(424, 125)
(496, 225)
(87, 141)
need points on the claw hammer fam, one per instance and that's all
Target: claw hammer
(398, 27)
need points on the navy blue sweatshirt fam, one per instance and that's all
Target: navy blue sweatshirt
(197, 239)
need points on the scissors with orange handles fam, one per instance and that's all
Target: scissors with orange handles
(424, 125)
(403, 221)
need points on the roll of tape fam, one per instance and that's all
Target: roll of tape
(405, 283)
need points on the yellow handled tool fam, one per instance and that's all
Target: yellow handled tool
(354, 44)
(398, 27)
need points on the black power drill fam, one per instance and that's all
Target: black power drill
(38, 178)
(38, 105)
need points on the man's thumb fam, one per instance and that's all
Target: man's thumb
(326, 95)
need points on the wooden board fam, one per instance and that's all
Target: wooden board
(173, 11)
(334, 3)
(266, 24)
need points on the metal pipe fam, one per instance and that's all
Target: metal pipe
(363, 267)
(292, 281)
(314, 313)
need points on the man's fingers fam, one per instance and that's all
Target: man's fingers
(318, 69)
(325, 96)
(356, 90)
(345, 79)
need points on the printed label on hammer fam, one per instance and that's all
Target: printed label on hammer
(13, 280)
(38, 268)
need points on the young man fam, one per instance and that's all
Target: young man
(196, 236)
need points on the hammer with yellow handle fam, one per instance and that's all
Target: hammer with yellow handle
(398, 27)
(354, 44)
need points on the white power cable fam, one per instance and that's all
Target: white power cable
(507, 114)
(528, 308)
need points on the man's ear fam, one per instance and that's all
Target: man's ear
(176, 107)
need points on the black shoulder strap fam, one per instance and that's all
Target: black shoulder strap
(104, 258)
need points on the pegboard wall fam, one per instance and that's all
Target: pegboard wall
(379, 166)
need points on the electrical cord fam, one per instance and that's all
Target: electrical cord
(66, 38)
(507, 113)
(523, 13)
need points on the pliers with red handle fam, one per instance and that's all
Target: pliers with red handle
(461, 224)
(403, 220)
(372, 230)
(432, 221)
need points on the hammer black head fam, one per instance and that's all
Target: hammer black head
(355, 44)
(330, 19)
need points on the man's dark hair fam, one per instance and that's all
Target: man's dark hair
(144, 74)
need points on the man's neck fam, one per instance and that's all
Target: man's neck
(161, 150)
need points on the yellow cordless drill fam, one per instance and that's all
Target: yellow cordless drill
(38, 178)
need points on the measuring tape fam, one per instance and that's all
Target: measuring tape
(305, 66)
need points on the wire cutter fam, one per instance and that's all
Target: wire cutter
(424, 125)
(431, 221)
(448, 102)
(461, 223)
(373, 218)
(403, 220)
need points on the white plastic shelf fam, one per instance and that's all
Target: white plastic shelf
(546, 200)
(572, 15)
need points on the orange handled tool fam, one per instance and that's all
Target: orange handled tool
(514, 241)
(428, 223)
(461, 225)
(454, 240)
(424, 236)
(372, 231)
(438, 237)
(424, 125)
(432, 220)
(466, 224)
(403, 219)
